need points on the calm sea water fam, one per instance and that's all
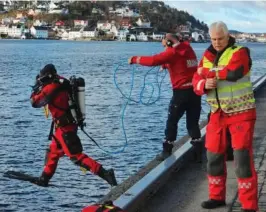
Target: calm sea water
(24, 130)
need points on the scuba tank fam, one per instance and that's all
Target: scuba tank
(72, 109)
(77, 100)
(81, 96)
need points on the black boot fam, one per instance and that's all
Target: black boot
(197, 147)
(43, 180)
(107, 175)
(247, 210)
(167, 150)
(196, 141)
(212, 203)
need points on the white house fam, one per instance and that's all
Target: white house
(75, 33)
(122, 35)
(80, 23)
(132, 38)
(6, 21)
(185, 28)
(41, 8)
(132, 13)
(39, 23)
(111, 9)
(143, 22)
(52, 6)
(142, 37)
(7, 5)
(16, 21)
(14, 31)
(124, 12)
(3, 29)
(104, 25)
(89, 32)
(197, 36)
(157, 36)
(97, 11)
(39, 32)
(37, 11)
(55, 9)
(65, 35)
(58, 11)
(118, 11)
(261, 38)
(114, 30)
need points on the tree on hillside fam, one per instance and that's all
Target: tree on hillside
(162, 17)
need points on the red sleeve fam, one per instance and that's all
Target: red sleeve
(155, 60)
(238, 63)
(205, 72)
(42, 98)
(198, 84)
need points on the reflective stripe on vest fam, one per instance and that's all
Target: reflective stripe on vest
(233, 96)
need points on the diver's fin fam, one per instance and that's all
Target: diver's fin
(24, 177)
(20, 176)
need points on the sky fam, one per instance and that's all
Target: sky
(243, 16)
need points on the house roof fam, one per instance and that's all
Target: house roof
(125, 19)
(75, 29)
(89, 28)
(40, 27)
(17, 26)
(144, 19)
(101, 21)
(60, 23)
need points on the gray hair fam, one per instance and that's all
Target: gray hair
(219, 26)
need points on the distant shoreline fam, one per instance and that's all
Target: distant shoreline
(98, 40)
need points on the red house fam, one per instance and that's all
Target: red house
(59, 23)
(125, 22)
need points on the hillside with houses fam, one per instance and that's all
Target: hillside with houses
(99, 20)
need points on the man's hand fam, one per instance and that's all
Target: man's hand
(130, 60)
(211, 83)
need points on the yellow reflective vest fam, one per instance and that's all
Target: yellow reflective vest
(231, 97)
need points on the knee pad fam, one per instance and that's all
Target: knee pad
(72, 142)
(242, 163)
(215, 165)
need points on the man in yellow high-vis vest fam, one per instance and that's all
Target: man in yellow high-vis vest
(224, 75)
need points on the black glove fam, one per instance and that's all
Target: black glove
(36, 88)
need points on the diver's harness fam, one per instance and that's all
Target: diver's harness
(75, 113)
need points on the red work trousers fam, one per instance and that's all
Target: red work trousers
(241, 131)
(58, 148)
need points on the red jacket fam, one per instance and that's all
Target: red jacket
(57, 101)
(240, 62)
(180, 60)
